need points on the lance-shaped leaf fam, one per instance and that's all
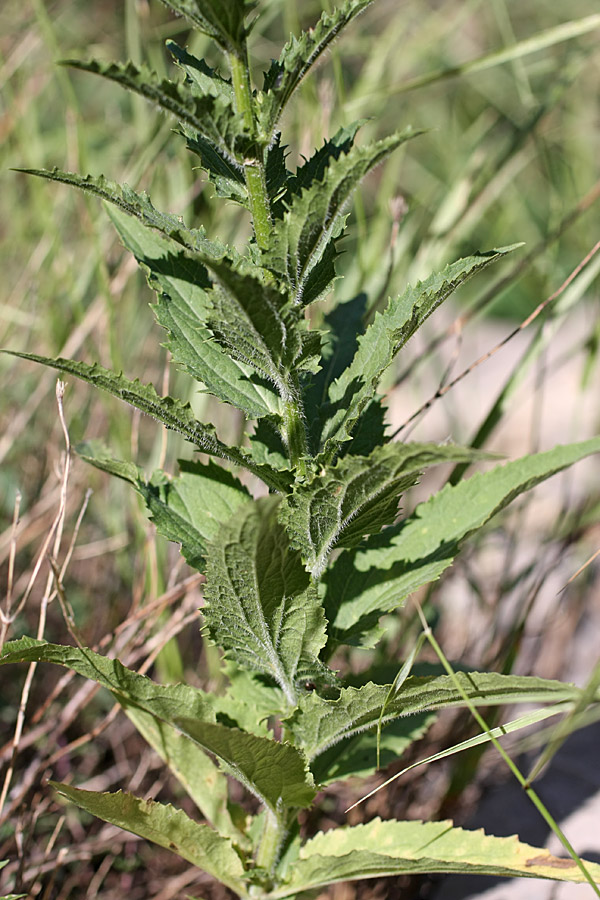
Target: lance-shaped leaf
(222, 20)
(151, 707)
(210, 116)
(160, 700)
(364, 584)
(341, 330)
(262, 608)
(356, 756)
(385, 337)
(249, 701)
(255, 309)
(275, 772)
(188, 509)
(358, 496)
(166, 826)
(201, 78)
(318, 723)
(394, 848)
(302, 246)
(139, 206)
(172, 413)
(193, 768)
(276, 175)
(183, 285)
(297, 58)
(250, 320)
(227, 176)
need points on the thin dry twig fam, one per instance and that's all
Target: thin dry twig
(56, 534)
(443, 389)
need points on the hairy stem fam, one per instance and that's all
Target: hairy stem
(253, 168)
(294, 430)
(270, 842)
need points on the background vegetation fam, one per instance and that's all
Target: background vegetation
(512, 154)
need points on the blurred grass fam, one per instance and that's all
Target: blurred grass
(510, 151)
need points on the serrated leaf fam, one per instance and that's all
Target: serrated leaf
(262, 608)
(201, 78)
(252, 321)
(267, 447)
(183, 287)
(358, 496)
(393, 848)
(297, 58)
(249, 701)
(188, 509)
(315, 168)
(227, 178)
(383, 340)
(137, 205)
(199, 776)
(222, 20)
(166, 826)
(151, 707)
(275, 772)
(163, 701)
(277, 177)
(364, 584)
(341, 329)
(172, 413)
(356, 757)
(302, 247)
(318, 723)
(210, 116)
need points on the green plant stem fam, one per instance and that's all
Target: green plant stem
(295, 434)
(270, 843)
(254, 172)
(533, 796)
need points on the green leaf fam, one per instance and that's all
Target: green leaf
(393, 848)
(341, 330)
(358, 496)
(297, 58)
(172, 413)
(227, 177)
(267, 447)
(276, 773)
(199, 776)
(363, 585)
(151, 707)
(277, 176)
(356, 756)
(248, 318)
(385, 337)
(188, 509)
(302, 248)
(262, 608)
(249, 701)
(209, 117)
(166, 826)
(222, 20)
(183, 285)
(160, 700)
(318, 723)
(139, 206)
(200, 77)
